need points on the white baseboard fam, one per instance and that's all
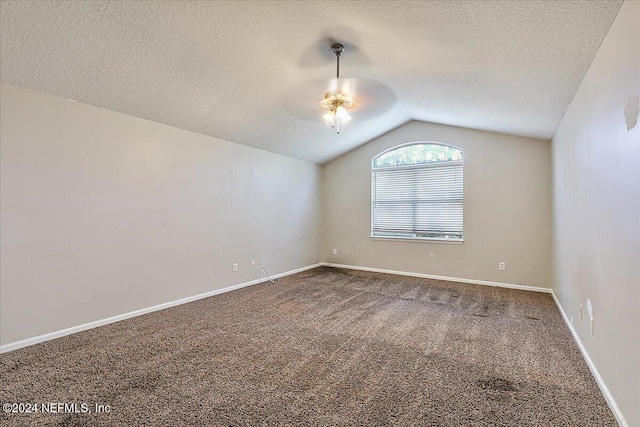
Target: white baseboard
(592, 367)
(449, 279)
(57, 334)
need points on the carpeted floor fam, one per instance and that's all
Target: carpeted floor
(326, 347)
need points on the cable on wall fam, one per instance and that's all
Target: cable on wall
(264, 271)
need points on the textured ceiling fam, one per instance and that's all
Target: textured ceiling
(253, 72)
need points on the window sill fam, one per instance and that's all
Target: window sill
(419, 240)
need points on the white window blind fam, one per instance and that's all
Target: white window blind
(418, 201)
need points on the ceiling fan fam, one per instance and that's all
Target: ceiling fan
(345, 98)
(337, 102)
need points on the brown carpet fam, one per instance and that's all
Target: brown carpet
(326, 347)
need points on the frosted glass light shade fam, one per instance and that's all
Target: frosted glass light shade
(342, 114)
(329, 116)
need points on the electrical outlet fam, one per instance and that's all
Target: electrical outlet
(253, 264)
(335, 252)
(502, 266)
(593, 327)
(581, 312)
(572, 320)
(235, 267)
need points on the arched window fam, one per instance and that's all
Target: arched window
(416, 192)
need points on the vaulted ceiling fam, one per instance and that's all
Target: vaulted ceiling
(252, 72)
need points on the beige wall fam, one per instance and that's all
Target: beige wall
(506, 209)
(596, 211)
(104, 213)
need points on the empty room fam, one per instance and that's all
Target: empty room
(320, 213)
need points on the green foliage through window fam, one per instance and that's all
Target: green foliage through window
(417, 154)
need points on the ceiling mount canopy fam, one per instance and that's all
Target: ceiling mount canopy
(337, 103)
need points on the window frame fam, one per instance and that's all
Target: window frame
(424, 165)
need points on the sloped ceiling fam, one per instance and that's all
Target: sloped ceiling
(253, 72)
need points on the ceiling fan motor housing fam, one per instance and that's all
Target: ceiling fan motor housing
(337, 48)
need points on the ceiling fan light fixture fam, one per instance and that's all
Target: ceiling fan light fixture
(337, 103)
